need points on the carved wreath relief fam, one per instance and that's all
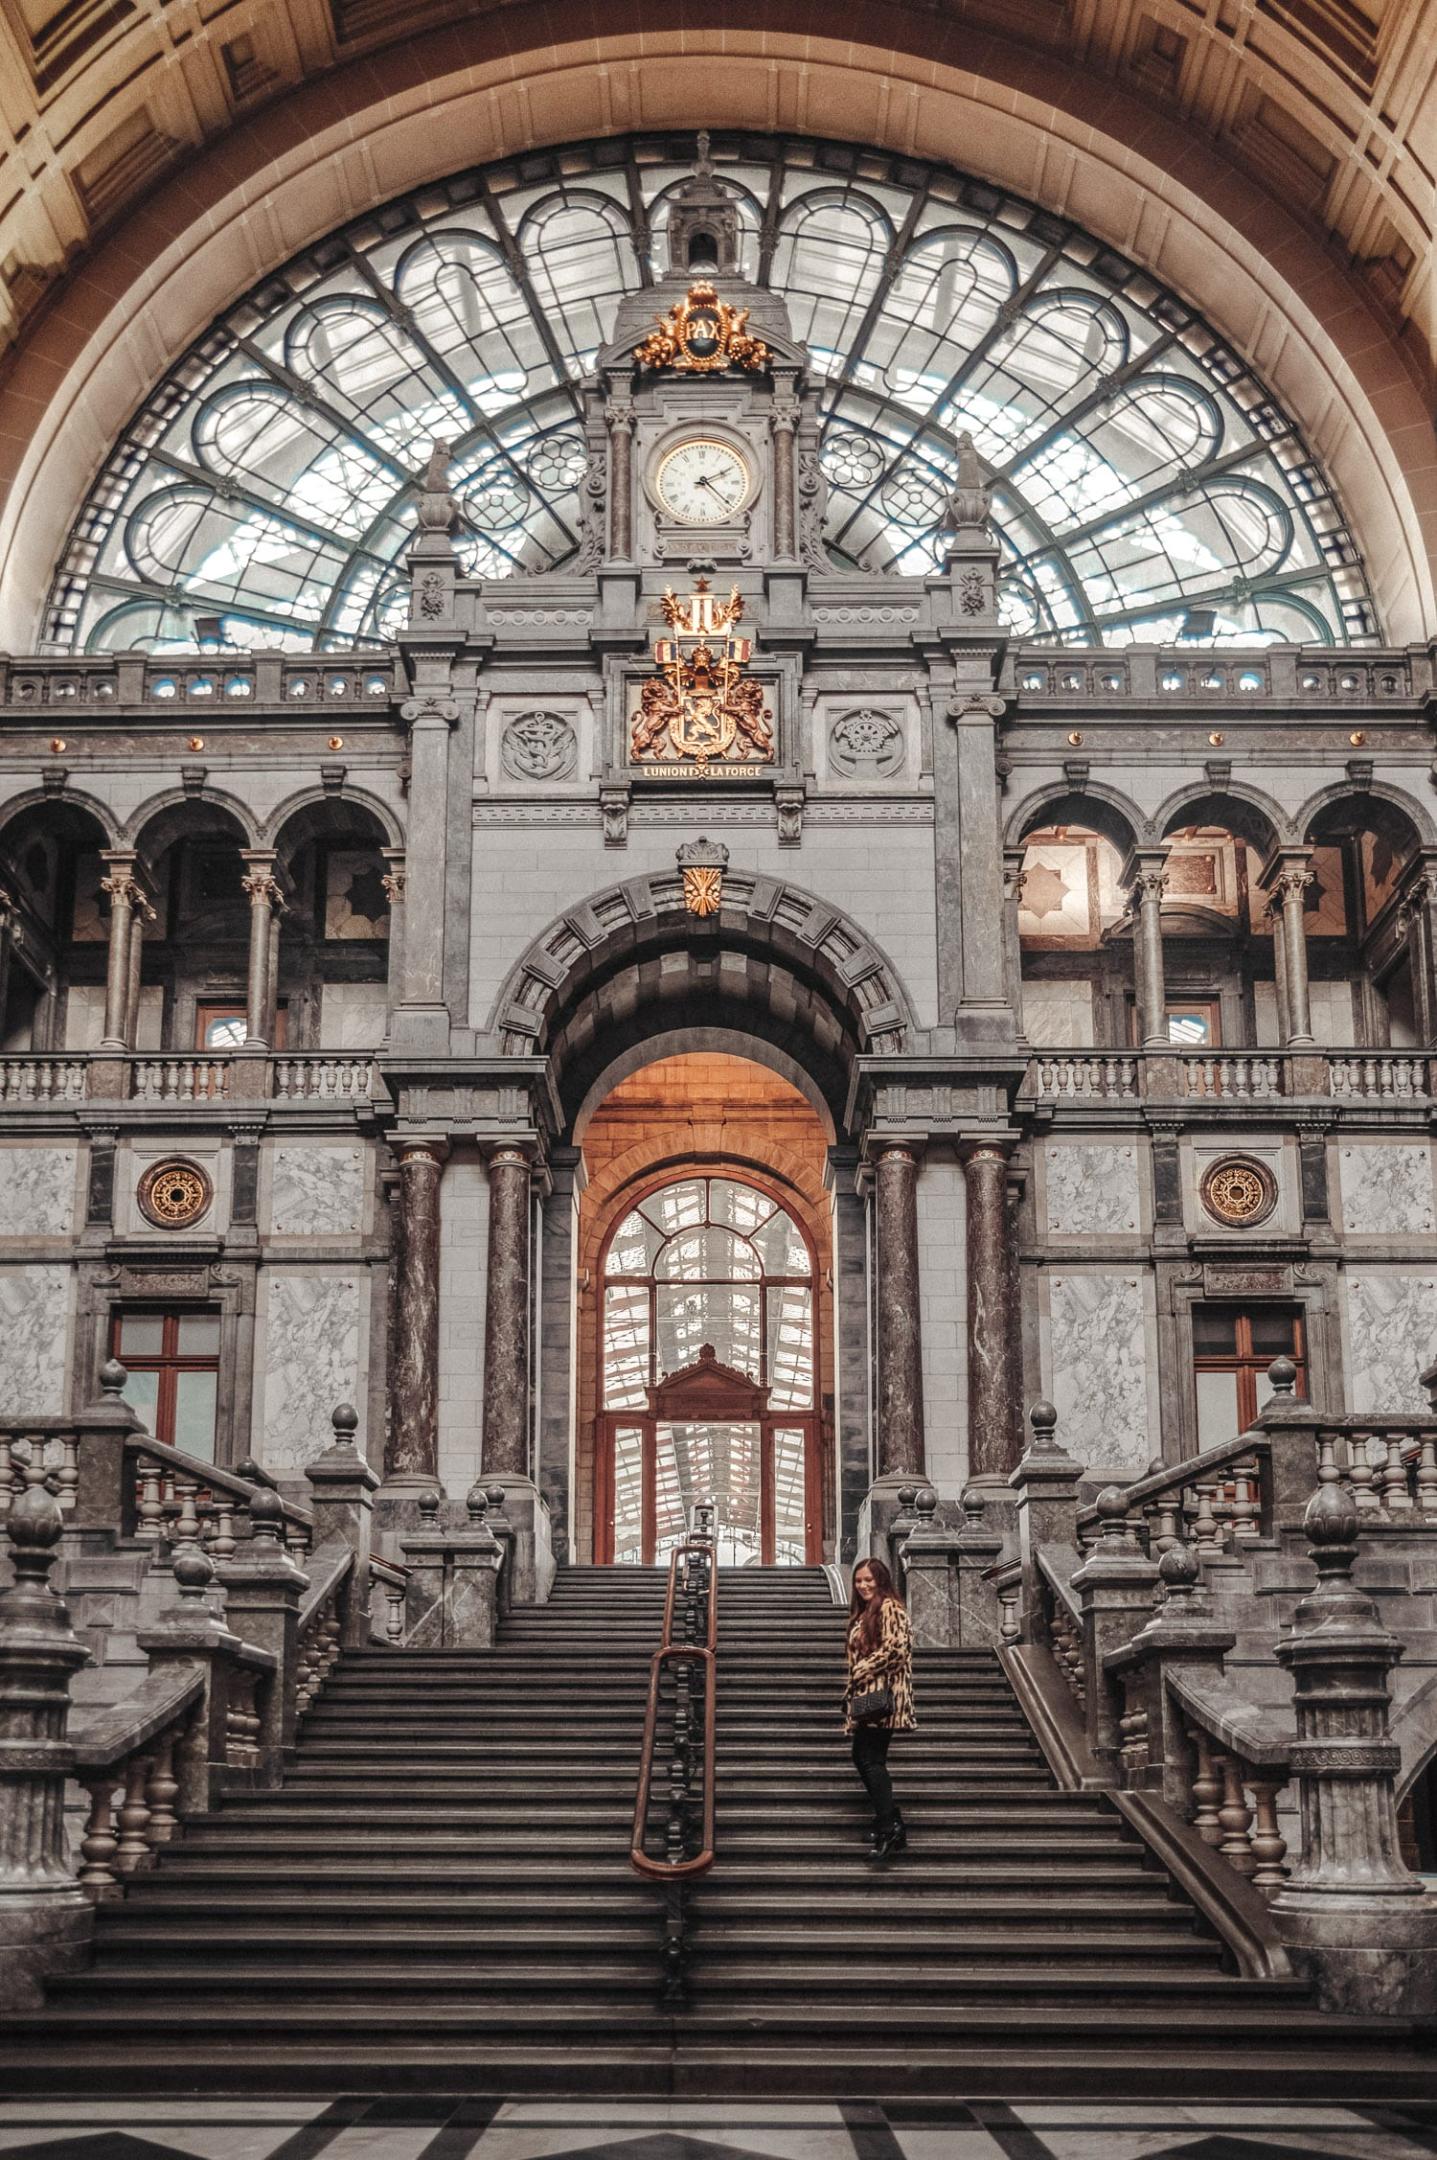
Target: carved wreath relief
(174, 1194)
(866, 744)
(1238, 1192)
(539, 746)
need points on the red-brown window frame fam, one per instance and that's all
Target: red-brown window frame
(1251, 1365)
(167, 1362)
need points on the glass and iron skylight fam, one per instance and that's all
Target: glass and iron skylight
(1147, 488)
(708, 1260)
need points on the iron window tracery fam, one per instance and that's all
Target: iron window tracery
(1146, 486)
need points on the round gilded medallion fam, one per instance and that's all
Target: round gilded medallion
(175, 1194)
(1238, 1192)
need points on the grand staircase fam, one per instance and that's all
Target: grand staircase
(440, 1897)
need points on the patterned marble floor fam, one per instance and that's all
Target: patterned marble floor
(455, 2129)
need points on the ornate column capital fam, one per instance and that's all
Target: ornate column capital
(430, 710)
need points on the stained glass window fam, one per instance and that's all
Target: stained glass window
(1146, 485)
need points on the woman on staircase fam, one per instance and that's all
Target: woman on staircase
(878, 1701)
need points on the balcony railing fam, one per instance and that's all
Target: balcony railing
(1231, 1076)
(322, 1076)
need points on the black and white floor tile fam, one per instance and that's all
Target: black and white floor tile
(426, 2128)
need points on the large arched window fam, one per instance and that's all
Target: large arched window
(707, 1366)
(1146, 484)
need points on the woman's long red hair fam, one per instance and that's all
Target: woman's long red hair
(870, 1615)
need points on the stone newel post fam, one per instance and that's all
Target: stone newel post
(45, 1917)
(900, 1342)
(1352, 1915)
(414, 1355)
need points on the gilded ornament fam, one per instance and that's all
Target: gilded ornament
(1238, 1192)
(174, 1194)
(701, 707)
(701, 334)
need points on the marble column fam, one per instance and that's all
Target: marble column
(412, 1455)
(506, 1321)
(900, 1340)
(1147, 881)
(124, 893)
(1418, 912)
(262, 890)
(1279, 967)
(994, 1439)
(621, 481)
(1292, 883)
(784, 423)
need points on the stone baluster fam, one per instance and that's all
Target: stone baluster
(1207, 1789)
(1234, 1816)
(1352, 1914)
(45, 1917)
(1268, 1845)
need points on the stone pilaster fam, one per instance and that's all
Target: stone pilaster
(413, 1452)
(994, 1438)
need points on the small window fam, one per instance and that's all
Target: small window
(172, 1358)
(1233, 1346)
(1194, 1023)
(221, 1026)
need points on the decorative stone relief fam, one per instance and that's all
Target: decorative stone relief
(1387, 1190)
(316, 1191)
(1239, 1192)
(1092, 1190)
(308, 1361)
(175, 1194)
(539, 746)
(34, 1318)
(37, 1191)
(1391, 1334)
(1098, 1361)
(866, 744)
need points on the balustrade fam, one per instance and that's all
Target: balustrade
(1084, 1076)
(1235, 1075)
(1245, 1831)
(43, 1079)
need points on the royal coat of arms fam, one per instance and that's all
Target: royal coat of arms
(701, 334)
(701, 708)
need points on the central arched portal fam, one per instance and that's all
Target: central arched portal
(706, 1316)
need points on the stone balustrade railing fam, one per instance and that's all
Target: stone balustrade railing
(1174, 1075)
(229, 683)
(1222, 1498)
(310, 1076)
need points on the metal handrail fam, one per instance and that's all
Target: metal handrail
(702, 1655)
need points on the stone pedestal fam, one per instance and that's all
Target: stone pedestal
(950, 1605)
(342, 1484)
(263, 1589)
(1116, 1585)
(45, 1917)
(1045, 1486)
(452, 1598)
(1352, 1915)
(531, 1564)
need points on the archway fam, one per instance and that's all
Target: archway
(705, 1316)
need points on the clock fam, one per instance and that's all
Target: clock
(703, 481)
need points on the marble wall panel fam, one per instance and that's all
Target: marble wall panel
(352, 1016)
(1092, 1189)
(1098, 1363)
(37, 1191)
(34, 1326)
(1391, 1338)
(1058, 1015)
(316, 1191)
(1386, 1189)
(308, 1359)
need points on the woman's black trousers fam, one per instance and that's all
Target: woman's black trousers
(870, 1760)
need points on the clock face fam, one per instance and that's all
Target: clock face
(703, 482)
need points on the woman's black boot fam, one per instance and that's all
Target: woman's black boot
(893, 1839)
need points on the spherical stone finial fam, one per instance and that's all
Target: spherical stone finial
(1282, 1377)
(266, 1515)
(907, 1494)
(925, 1504)
(429, 1506)
(973, 1501)
(113, 1377)
(476, 1501)
(1331, 1516)
(345, 1420)
(1156, 1467)
(1179, 1570)
(1043, 1417)
(494, 1494)
(35, 1524)
(1112, 1508)
(194, 1571)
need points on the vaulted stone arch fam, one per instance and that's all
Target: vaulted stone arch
(777, 964)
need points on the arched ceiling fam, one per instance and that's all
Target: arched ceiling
(1271, 159)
